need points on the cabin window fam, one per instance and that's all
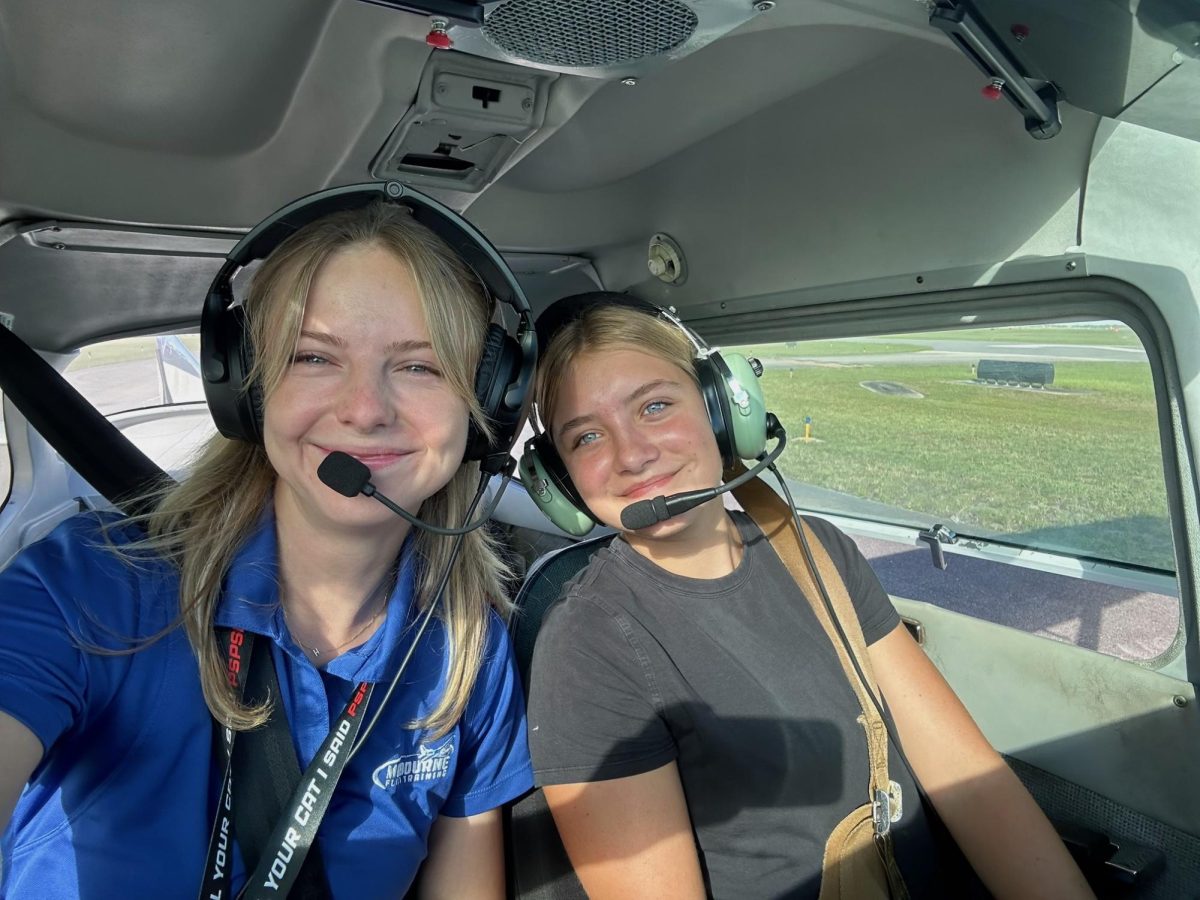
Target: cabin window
(1035, 448)
(150, 388)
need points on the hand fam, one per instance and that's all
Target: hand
(21, 752)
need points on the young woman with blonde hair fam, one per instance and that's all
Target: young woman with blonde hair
(366, 331)
(690, 720)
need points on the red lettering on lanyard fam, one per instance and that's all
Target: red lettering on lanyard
(234, 665)
(352, 709)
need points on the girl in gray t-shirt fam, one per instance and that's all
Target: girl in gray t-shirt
(689, 719)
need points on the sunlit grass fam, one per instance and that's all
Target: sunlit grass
(1077, 466)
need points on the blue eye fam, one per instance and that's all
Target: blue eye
(655, 406)
(308, 358)
(420, 368)
(586, 438)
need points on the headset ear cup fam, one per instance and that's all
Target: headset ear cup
(744, 406)
(227, 359)
(499, 366)
(249, 391)
(715, 392)
(547, 482)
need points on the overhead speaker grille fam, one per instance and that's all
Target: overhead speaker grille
(589, 33)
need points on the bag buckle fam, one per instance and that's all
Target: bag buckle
(887, 808)
(881, 813)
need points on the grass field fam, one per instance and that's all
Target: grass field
(1080, 469)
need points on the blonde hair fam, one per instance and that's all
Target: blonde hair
(612, 327)
(201, 524)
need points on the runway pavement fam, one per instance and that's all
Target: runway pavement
(940, 352)
(1121, 622)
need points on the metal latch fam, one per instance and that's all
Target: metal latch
(887, 808)
(935, 537)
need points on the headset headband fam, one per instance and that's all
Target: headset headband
(467, 242)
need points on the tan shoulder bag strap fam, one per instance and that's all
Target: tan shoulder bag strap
(771, 514)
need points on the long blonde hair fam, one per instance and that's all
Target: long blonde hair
(201, 524)
(612, 327)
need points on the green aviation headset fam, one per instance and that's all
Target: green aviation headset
(728, 383)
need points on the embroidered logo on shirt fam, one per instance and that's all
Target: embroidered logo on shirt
(424, 765)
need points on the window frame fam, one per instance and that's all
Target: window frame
(813, 315)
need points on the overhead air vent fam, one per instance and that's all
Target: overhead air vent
(601, 38)
(587, 33)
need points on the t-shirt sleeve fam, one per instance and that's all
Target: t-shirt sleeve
(46, 677)
(593, 709)
(493, 759)
(876, 614)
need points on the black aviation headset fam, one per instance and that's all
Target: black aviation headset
(728, 383)
(506, 365)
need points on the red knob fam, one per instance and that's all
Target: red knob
(1020, 32)
(993, 91)
(438, 39)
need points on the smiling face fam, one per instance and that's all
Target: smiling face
(631, 426)
(364, 380)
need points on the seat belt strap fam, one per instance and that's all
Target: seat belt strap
(266, 771)
(261, 774)
(120, 472)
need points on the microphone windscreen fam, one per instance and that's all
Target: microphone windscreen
(344, 473)
(643, 514)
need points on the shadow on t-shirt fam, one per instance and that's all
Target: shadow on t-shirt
(761, 821)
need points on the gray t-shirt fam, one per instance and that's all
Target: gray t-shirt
(734, 679)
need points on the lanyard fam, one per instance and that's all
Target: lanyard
(220, 855)
(293, 834)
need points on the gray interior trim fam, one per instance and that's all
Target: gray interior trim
(1102, 723)
(1066, 802)
(1077, 296)
(63, 280)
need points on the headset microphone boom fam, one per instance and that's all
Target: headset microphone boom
(351, 477)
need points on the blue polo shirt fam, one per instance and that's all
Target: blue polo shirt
(123, 801)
